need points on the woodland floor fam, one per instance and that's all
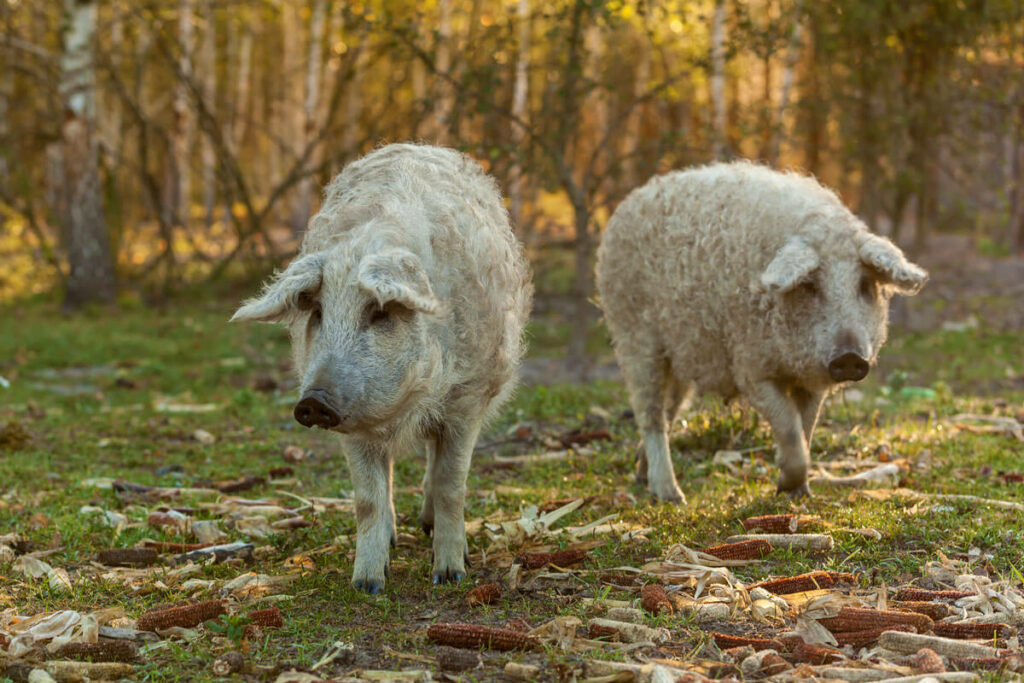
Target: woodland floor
(177, 398)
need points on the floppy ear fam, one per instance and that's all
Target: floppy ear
(397, 275)
(793, 262)
(280, 297)
(895, 270)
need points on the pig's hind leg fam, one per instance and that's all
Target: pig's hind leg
(450, 467)
(371, 467)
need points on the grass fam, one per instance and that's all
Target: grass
(94, 393)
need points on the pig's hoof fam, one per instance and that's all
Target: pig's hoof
(371, 586)
(670, 494)
(447, 576)
(796, 492)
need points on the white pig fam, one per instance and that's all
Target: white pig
(406, 308)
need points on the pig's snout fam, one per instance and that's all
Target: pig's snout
(314, 410)
(847, 367)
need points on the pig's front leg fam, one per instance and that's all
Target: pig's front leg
(370, 465)
(783, 414)
(448, 492)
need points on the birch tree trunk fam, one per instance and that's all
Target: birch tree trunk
(520, 91)
(720, 143)
(304, 193)
(91, 267)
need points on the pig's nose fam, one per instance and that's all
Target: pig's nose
(313, 411)
(848, 367)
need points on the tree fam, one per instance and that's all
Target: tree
(91, 272)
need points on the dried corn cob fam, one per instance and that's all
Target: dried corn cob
(228, 663)
(484, 594)
(561, 558)
(654, 600)
(185, 616)
(743, 550)
(773, 524)
(803, 582)
(797, 541)
(963, 631)
(475, 636)
(863, 638)
(454, 659)
(725, 641)
(910, 643)
(127, 557)
(928, 661)
(1005, 663)
(806, 653)
(168, 547)
(920, 594)
(101, 651)
(90, 671)
(596, 631)
(772, 663)
(266, 618)
(935, 610)
(854, 619)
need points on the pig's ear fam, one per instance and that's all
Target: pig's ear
(397, 275)
(279, 300)
(893, 268)
(792, 263)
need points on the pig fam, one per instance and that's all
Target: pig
(406, 307)
(737, 280)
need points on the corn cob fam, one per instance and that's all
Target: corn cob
(1013, 663)
(185, 616)
(725, 641)
(89, 671)
(228, 663)
(803, 582)
(266, 618)
(772, 664)
(809, 542)
(475, 636)
(967, 631)
(597, 631)
(743, 550)
(773, 524)
(806, 653)
(920, 594)
(561, 558)
(910, 643)
(101, 651)
(654, 600)
(928, 661)
(863, 638)
(127, 557)
(484, 594)
(168, 547)
(854, 619)
(454, 659)
(935, 610)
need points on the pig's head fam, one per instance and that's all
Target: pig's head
(832, 301)
(359, 335)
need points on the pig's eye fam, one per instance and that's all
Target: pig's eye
(809, 288)
(867, 288)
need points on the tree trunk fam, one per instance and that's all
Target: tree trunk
(520, 91)
(6, 94)
(1016, 184)
(179, 186)
(578, 360)
(310, 108)
(719, 137)
(788, 71)
(208, 58)
(814, 108)
(91, 267)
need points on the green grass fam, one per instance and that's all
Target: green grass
(104, 421)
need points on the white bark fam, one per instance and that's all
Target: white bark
(91, 271)
(303, 200)
(520, 92)
(788, 71)
(718, 38)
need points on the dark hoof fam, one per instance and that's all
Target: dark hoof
(447, 576)
(796, 492)
(371, 586)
